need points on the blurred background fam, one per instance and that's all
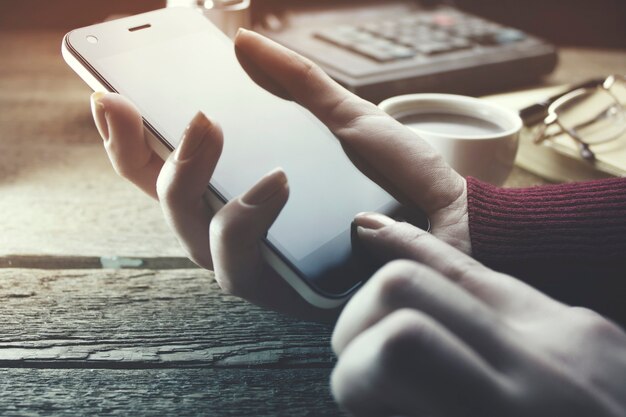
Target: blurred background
(600, 23)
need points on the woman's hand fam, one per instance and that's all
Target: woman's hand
(446, 336)
(382, 148)
(385, 150)
(228, 242)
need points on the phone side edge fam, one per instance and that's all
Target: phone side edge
(79, 68)
(94, 83)
(297, 283)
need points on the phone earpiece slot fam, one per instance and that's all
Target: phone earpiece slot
(136, 28)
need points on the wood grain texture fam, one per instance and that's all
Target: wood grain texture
(166, 392)
(93, 262)
(145, 319)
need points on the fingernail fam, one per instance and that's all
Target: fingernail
(240, 31)
(266, 188)
(99, 114)
(372, 221)
(193, 137)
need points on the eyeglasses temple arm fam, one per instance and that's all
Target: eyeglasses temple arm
(540, 134)
(535, 113)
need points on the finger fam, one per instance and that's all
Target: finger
(406, 284)
(384, 149)
(182, 183)
(300, 79)
(387, 239)
(121, 128)
(237, 231)
(409, 364)
(260, 77)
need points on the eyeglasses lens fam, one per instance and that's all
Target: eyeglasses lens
(595, 115)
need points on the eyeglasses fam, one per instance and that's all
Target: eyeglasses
(590, 113)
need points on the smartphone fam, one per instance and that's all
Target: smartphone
(173, 63)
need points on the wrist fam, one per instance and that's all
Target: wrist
(451, 223)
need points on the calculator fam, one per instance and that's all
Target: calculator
(383, 49)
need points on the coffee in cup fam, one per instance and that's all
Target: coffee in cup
(477, 138)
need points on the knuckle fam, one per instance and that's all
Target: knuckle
(398, 280)
(399, 267)
(343, 383)
(408, 331)
(225, 230)
(165, 185)
(125, 166)
(406, 234)
(164, 191)
(393, 280)
(354, 380)
(232, 285)
(412, 234)
(305, 70)
(353, 118)
(218, 229)
(122, 167)
(594, 324)
(461, 269)
(123, 170)
(200, 256)
(227, 285)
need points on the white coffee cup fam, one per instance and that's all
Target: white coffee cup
(477, 138)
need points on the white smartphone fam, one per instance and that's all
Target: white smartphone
(172, 63)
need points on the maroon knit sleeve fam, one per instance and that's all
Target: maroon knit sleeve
(564, 222)
(567, 240)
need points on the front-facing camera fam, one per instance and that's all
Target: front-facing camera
(92, 39)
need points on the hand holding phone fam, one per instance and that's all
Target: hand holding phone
(382, 148)
(179, 183)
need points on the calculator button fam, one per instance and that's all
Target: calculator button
(499, 38)
(405, 40)
(444, 20)
(421, 33)
(377, 42)
(379, 54)
(362, 37)
(337, 37)
(401, 52)
(509, 36)
(432, 48)
(459, 43)
(439, 36)
(388, 33)
(371, 27)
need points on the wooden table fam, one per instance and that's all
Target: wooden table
(155, 336)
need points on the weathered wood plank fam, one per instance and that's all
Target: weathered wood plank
(166, 392)
(66, 200)
(93, 262)
(143, 319)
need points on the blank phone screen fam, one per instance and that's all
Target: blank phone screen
(171, 80)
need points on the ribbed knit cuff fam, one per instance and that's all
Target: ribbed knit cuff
(577, 221)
